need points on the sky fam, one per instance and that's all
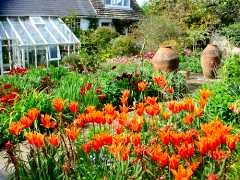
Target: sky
(141, 2)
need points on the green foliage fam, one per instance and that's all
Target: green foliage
(124, 45)
(103, 35)
(191, 64)
(155, 30)
(232, 32)
(230, 71)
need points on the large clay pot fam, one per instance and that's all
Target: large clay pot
(210, 61)
(165, 59)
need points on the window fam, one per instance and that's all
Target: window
(54, 53)
(105, 24)
(118, 3)
(37, 20)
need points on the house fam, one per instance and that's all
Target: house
(32, 32)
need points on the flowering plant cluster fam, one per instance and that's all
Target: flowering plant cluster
(150, 139)
(8, 95)
(18, 71)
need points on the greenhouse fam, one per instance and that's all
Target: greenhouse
(34, 41)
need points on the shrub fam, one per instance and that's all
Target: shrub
(124, 45)
(232, 32)
(230, 70)
(103, 35)
(156, 29)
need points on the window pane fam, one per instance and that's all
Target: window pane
(108, 2)
(21, 32)
(126, 2)
(46, 34)
(8, 29)
(56, 34)
(32, 31)
(67, 33)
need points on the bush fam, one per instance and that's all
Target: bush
(103, 35)
(230, 70)
(124, 45)
(156, 29)
(232, 32)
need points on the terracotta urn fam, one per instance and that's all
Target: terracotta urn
(165, 59)
(210, 61)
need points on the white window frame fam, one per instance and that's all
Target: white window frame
(114, 5)
(58, 54)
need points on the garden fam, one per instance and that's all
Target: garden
(114, 111)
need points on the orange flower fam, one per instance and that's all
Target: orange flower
(202, 146)
(140, 109)
(72, 133)
(175, 138)
(80, 120)
(142, 85)
(174, 162)
(119, 129)
(163, 159)
(165, 115)
(153, 110)
(124, 109)
(218, 155)
(109, 110)
(199, 112)
(26, 122)
(186, 150)
(202, 103)
(54, 140)
(33, 114)
(136, 124)
(233, 107)
(205, 93)
(124, 152)
(15, 128)
(150, 100)
(90, 109)
(46, 121)
(188, 119)
(181, 173)
(35, 139)
(165, 137)
(124, 98)
(232, 141)
(73, 107)
(58, 104)
(161, 81)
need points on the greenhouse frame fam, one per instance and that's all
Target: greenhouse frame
(28, 41)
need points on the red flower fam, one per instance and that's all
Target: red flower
(212, 176)
(87, 147)
(140, 109)
(136, 124)
(26, 122)
(136, 139)
(174, 162)
(188, 119)
(205, 93)
(161, 81)
(72, 132)
(231, 142)
(125, 96)
(46, 121)
(58, 104)
(165, 137)
(54, 140)
(7, 86)
(170, 90)
(73, 107)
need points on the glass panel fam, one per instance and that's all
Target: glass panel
(126, 2)
(2, 33)
(32, 31)
(22, 33)
(37, 20)
(56, 34)
(108, 2)
(46, 34)
(68, 34)
(53, 52)
(8, 29)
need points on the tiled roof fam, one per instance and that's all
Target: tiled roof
(46, 8)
